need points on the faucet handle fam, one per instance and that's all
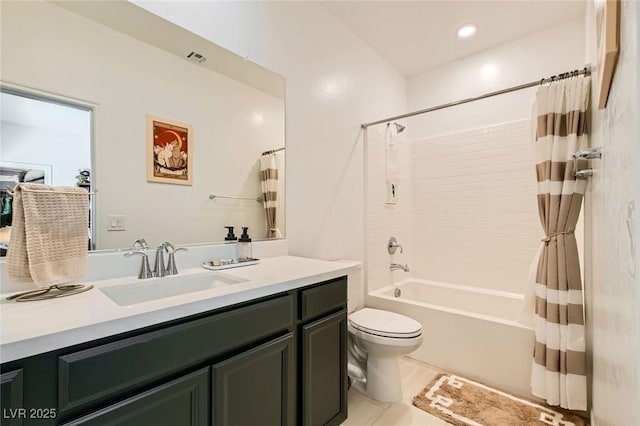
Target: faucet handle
(168, 247)
(145, 270)
(171, 263)
(140, 242)
(393, 245)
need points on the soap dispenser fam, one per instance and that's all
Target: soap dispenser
(231, 238)
(244, 246)
(230, 235)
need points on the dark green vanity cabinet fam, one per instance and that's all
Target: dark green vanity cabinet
(277, 360)
(11, 392)
(256, 387)
(323, 355)
(184, 401)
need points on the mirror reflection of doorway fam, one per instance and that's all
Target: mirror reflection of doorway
(41, 141)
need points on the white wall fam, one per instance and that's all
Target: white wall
(67, 152)
(555, 50)
(50, 49)
(334, 83)
(39, 132)
(613, 272)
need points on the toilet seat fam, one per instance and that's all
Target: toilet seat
(385, 324)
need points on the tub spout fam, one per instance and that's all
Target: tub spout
(395, 266)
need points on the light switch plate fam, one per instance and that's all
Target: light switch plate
(117, 223)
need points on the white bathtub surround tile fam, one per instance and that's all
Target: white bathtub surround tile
(383, 220)
(475, 217)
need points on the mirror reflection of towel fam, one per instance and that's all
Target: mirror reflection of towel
(49, 234)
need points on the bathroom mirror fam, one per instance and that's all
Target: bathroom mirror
(130, 67)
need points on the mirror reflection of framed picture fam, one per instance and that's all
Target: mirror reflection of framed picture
(608, 45)
(169, 146)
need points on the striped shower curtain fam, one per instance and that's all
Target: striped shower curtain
(269, 185)
(559, 368)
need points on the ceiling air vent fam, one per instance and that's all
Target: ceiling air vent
(196, 57)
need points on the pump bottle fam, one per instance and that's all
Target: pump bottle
(244, 246)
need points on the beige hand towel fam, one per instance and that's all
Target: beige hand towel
(49, 234)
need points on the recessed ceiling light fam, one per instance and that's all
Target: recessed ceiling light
(466, 31)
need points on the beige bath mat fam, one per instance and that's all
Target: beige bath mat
(463, 402)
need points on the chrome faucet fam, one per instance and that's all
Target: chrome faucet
(145, 270)
(171, 263)
(171, 269)
(159, 269)
(395, 266)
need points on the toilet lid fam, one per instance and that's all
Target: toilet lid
(384, 323)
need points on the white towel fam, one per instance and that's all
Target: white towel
(49, 234)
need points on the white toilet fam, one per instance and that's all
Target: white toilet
(376, 340)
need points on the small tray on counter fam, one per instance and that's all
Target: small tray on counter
(209, 265)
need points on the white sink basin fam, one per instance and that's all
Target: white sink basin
(140, 291)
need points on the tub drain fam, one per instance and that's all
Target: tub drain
(397, 292)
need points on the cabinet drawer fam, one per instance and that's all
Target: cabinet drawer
(324, 298)
(102, 372)
(184, 401)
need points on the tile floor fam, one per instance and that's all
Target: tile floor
(367, 412)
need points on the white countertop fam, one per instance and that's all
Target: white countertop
(30, 328)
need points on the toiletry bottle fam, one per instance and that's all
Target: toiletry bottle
(244, 246)
(232, 239)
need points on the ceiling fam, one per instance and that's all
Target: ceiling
(417, 35)
(51, 116)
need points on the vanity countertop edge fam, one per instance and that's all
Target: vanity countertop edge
(31, 328)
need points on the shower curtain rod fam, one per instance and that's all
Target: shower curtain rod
(585, 71)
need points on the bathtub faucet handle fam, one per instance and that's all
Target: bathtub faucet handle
(393, 245)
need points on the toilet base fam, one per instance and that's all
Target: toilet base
(383, 380)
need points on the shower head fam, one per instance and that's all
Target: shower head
(399, 128)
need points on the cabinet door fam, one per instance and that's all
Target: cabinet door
(324, 371)
(181, 402)
(11, 397)
(256, 387)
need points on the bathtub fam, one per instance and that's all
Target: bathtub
(470, 331)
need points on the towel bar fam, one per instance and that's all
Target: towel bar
(213, 197)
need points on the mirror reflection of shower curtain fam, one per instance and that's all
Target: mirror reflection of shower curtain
(269, 185)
